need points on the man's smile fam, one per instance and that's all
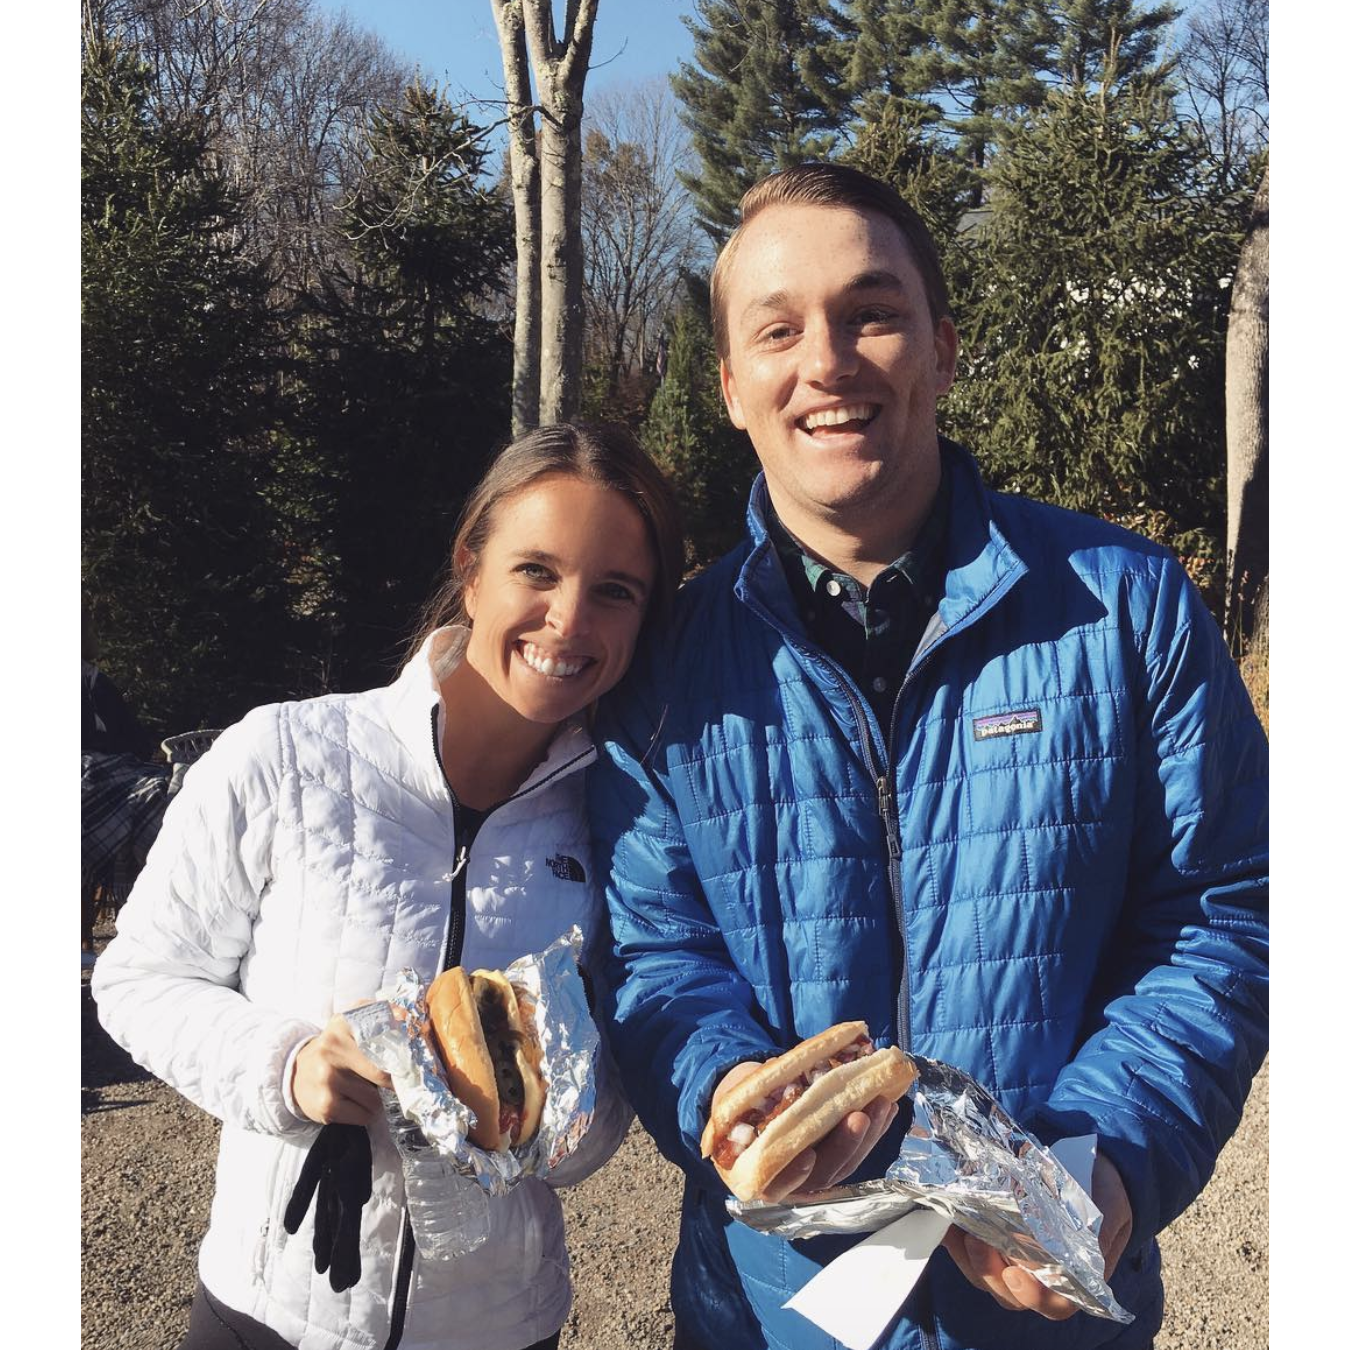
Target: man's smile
(847, 417)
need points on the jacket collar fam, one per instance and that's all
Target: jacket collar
(981, 563)
(416, 694)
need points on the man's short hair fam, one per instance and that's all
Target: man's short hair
(830, 185)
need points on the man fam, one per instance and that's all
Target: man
(966, 766)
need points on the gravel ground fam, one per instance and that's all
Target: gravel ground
(148, 1162)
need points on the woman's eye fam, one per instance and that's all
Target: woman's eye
(534, 571)
(616, 590)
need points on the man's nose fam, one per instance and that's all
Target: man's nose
(829, 354)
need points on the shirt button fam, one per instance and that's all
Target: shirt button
(832, 587)
(879, 684)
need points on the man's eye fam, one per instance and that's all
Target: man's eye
(874, 317)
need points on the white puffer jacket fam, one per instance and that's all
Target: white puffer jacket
(309, 858)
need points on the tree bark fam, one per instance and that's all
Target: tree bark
(1247, 403)
(524, 157)
(560, 68)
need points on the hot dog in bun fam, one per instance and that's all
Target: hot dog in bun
(791, 1102)
(488, 1049)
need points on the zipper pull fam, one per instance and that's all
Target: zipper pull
(460, 861)
(885, 802)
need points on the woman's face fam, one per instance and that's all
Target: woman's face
(557, 596)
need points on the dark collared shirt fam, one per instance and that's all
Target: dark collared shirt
(871, 631)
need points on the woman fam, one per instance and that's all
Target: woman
(321, 846)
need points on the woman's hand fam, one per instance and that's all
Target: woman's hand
(333, 1081)
(1019, 1290)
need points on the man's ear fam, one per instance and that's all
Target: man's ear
(730, 397)
(946, 344)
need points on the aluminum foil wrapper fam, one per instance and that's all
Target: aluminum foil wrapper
(447, 1179)
(965, 1157)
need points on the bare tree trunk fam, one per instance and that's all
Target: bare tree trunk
(1247, 400)
(560, 69)
(510, 19)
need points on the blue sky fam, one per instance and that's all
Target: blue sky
(455, 41)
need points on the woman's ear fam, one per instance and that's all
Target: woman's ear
(468, 569)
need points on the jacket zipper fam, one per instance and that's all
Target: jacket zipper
(878, 766)
(924, 1313)
(451, 952)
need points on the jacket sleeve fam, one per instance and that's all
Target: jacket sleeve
(1164, 1073)
(167, 987)
(680, 1014)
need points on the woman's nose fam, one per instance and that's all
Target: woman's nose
(567, 612)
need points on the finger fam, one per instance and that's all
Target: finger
(881, 1114)
(327, 1216)
(303, 1193)
(842, 1151)
(336, 1044)
(1110, 1197)
(1032, 1295)
(733, 1076)
(345, 1270)
(361, 1096)
(981, 1265)
(341, 1098)
(792, 1178)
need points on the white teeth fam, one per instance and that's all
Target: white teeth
(539, 660)
(833, 417)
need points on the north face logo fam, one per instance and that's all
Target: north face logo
(566, 869)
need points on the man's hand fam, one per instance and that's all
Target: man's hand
(333, 1082)
(1019, 1290)
(835, 1157)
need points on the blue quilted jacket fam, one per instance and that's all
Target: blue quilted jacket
(1049, 871)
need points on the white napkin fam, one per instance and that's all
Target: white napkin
(857, 1295)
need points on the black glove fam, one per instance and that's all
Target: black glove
(338, 1165)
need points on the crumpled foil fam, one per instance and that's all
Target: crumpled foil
(964, 1156)
(446, 1178)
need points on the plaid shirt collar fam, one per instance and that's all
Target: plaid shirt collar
(920, 573)
(872, 631)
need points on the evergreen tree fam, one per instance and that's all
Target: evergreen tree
(179, 559)
(688, 433)
(1117, 34)
(1093, 330)
(900, 145)
(765, 90)
(974, 65)
(406, 382)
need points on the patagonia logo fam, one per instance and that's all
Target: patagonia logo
(1008, 724)
(566, 869)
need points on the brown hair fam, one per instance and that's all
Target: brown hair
(831, 185)
(605, 453)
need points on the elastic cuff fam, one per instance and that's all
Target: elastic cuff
(288, 1077)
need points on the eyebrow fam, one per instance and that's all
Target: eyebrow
(540, 556)
(877, 280)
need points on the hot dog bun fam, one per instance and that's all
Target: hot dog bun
(489, 1053)
(814, 1107)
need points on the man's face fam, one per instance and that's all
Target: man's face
(834, 367)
